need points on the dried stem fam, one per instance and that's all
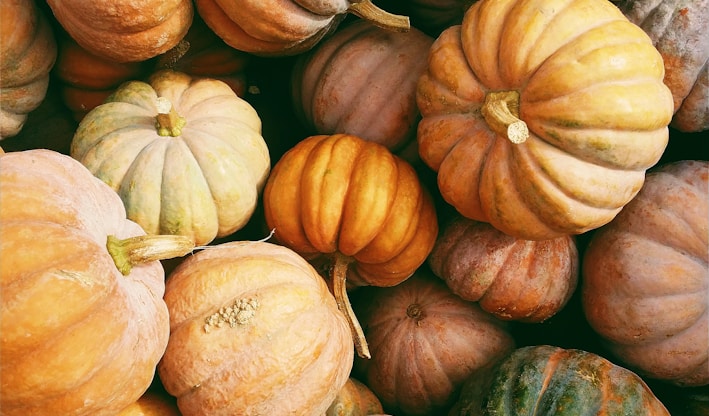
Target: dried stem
(501, 112)
(141, 249)
(167, 121)
(367, 10)
(339, 282)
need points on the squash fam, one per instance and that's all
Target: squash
(81, 288)
(124, 30)
(185, 154)
(356, 207)
(254, 331)
(548, 380)
(513, 279)
(549, 134)
(29, 50)
(286, 27)
(425, 341)
(152, 404)
(355, 399)
(645, 277)
(362, 81)
(678, 31)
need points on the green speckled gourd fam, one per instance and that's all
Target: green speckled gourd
(544, 380)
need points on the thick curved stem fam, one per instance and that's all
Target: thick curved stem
(168, 122)
(141, 249)
(367, 10)
(501, 112)
(339, 283)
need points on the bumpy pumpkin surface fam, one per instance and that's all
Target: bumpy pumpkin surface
(28, 50)
(645, 279)
(254, 331)
(185, 154)
(542, 116)
(544, 380)
(79, 337)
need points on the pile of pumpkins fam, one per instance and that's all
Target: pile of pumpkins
(487, 207)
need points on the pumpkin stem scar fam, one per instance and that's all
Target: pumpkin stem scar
(141, 249)
(167, 121)
(367, 10)
(339, 276)
(239, 313)
(501, 112)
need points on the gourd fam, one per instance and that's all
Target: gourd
(185, 154)
(355, 399)
(81, 288)
(550, 133)
(254, 331)
(645, 279)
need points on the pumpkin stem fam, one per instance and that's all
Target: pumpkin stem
(367, 10)
(501, 112)
(168, 122)
(339, 277)
(141, 249)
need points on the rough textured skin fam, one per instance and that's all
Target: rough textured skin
(513, 279)
(28, 50)
(78, 337)
(646, 277)
(590, 92)
(546, 380)
(291, 357)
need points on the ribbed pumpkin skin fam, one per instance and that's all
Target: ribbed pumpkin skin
(28, 50)
(362, 81)
(513, 279)
(78, 337)
(546, 380)
(291, 357)
(678, 29)
(595, 106)
(645, 279)
(124, 30)
(203, 182)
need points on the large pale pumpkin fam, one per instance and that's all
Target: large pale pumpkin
(83, 327)
(542, 116)
(645, 279)
(254, 331)
(185, 154)
(28, 50)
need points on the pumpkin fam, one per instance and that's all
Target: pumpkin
(513, 279)
(124, 30)
(28, 49)
(355, 399)
(185, 154)
(357, 207)
(548, 380)
(286, 27)
(548, 134)
(425, 341)
(81, 288)
(645, 277)
(254, 331)
(362, 81)
(678, 31)
(152, 404)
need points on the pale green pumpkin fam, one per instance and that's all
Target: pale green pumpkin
(186, 155)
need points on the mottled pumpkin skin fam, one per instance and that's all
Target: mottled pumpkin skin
(645, 279)
(28, 50)
(545, 380)
(78, 337)
(291, 356)
(678, 29)
(595, 106)
(513, 279)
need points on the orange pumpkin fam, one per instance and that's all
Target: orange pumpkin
(152, 404)
(28, 50)
(355, 399)
(541, 117)
(83, 321)
(353, 202)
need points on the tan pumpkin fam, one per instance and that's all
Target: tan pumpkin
(28, 51)
(357, 207)
(645, 279)
(549, 133)
(124, 30)
(83, 321)
(254, 331)
(185, 154)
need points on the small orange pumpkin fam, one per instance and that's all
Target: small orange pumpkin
(355, 399)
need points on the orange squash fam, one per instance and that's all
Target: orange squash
(152, 404)
(355, 399)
